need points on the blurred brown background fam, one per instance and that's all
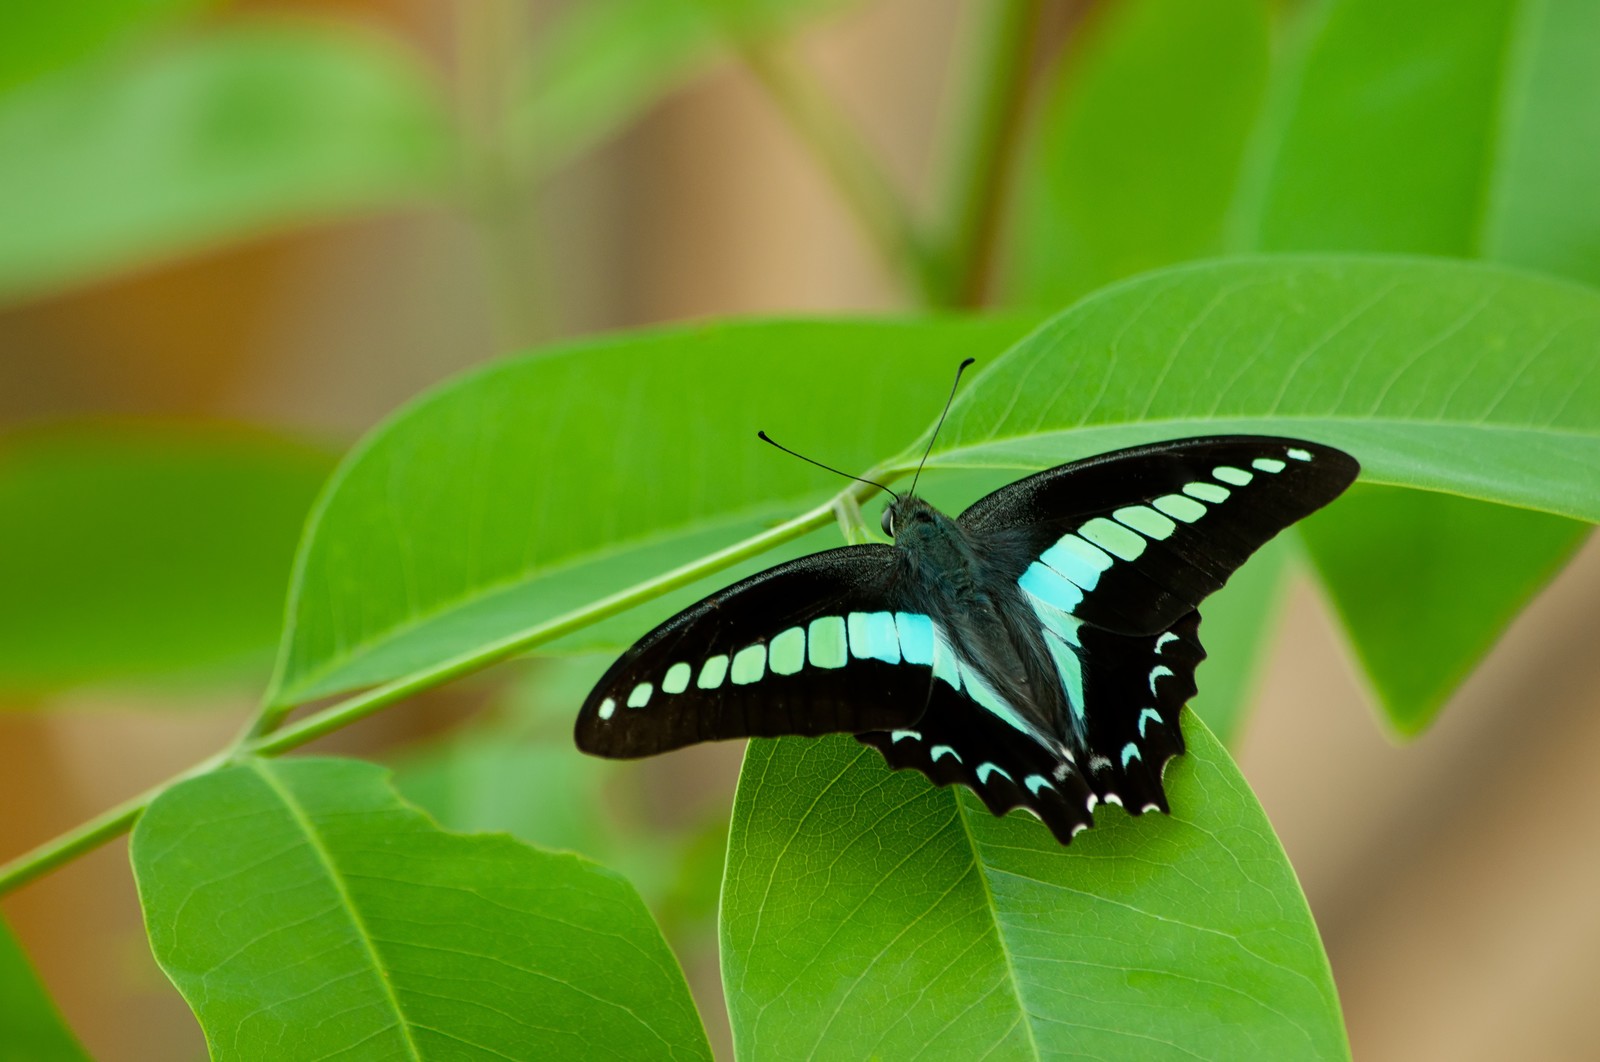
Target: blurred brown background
(1456, 906)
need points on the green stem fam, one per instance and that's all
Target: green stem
(497, 197)
(120, 819)
(986, 149)
(845, 158)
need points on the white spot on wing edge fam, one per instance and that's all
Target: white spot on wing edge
(607, 708)
(1299, 454)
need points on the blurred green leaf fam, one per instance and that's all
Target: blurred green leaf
(1459, 377)
(304, 911)
(134, 552)
(605, 61)
(1424, 543)
(868, 914)
(37, 38)
(1138, 147)
(30, 1028)
(151, 154)
(1468, 129)
(518, 493)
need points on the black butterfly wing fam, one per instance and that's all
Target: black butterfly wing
(819, 645)
(1133, 540)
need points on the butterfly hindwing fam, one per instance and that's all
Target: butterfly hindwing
(811, 647)
(1131, 541)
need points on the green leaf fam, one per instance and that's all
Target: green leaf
(1139, 145)
(1393, 562)
(1506, 98)
(1234, 624)
(1457, 377)
(304, 911)
(38, 38)
(868, 914)
(30, 1027)
(606, 61)
(539, 485)
(156, 152)
(133, 553)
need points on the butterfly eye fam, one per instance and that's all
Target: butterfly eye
(888, 522)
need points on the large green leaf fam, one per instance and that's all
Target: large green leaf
(36, 38)
(1424, 542)
(1506, 98)
(137, 552)
(868, 914)
(516, 494)
(154, 152)
(30, 1028)
(1137, 150)
(304, 912)
(1458, 377)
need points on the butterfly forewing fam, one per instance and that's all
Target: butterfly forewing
(810, 647)
(1130, 541)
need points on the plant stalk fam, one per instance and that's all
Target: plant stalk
(985, 151)
(119, 819)
(862, 184)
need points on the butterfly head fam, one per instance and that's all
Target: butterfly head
(908, 515)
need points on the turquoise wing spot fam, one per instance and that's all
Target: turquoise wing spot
(1050, 586)
(872, 637)
(1146, 716)
(1053, 619)
(943, 750)
(825, 643)
(986, 769)
(1146, 521)
(915, 632)
(1228, 474)
(1113, 538)
(946, 665)
(607, 707)
(1268, 464)
(712, 672)
(640, 695)
(980, 691)
(902, 735)
(1077, 560)
(676, 679)
(749, 664)
(1036, 782)
(786, 654)
(1130, 752)
(1300, 455)
(1207, 492)
(1156, 673)
(1166, 636)
(1070, 668)
(1180, 508)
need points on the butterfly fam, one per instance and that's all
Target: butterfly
(1037, 649)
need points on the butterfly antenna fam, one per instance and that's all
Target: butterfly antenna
(764, 437)
(959, 370)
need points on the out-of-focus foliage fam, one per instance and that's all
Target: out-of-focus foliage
(30, 1028)
(145, 552)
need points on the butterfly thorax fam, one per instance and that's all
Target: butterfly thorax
(950, 576)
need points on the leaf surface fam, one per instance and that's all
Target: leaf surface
(1505, 100)
(136, 553)
(867, 913)
(159, 151)
(518, 493)
(304, 911)
(1138, 147)
(1468, 379)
